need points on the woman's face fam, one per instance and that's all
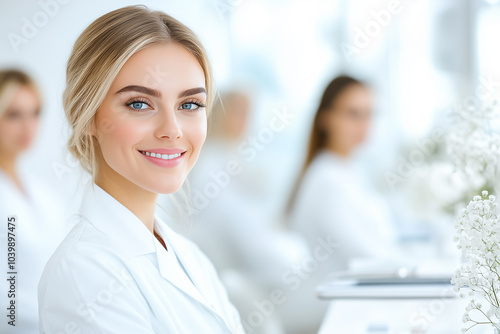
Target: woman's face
(236, 115)
(152, 123)
(348, 121)
(19, 123)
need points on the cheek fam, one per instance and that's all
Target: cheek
(121, 132)
(120, 136)
(9, 132)
(33, 126)
(340, 126)
(195, 132)
(4, 134)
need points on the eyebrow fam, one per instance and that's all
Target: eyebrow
(157, 93)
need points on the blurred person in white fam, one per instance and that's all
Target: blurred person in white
(249, 248)
(138, 93)
(332, 198)
(38, 211)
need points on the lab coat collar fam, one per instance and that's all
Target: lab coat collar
(129, 233)
(333, 156)
(190, 261)
(115, 220)
(170, 269)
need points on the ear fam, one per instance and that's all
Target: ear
(93, 128)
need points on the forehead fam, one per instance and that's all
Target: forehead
(354, 94)
(24, 97)
(167, 67)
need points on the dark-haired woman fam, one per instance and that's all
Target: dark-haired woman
(332, 200)
(331, 205)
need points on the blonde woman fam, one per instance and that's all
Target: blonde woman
(139, 88)
(31, 217)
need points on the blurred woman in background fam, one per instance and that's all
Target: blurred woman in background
(38, 225)
(332, 196)
(331, 200)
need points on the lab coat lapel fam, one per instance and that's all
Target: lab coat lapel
(174, 274)
(172, 271)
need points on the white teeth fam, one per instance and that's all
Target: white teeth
(161, 156)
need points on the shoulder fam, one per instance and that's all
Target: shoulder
(321, 175)
(83, 256)
(88, 286)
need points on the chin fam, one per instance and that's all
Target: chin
(167, 188)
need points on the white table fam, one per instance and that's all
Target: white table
(425, 309)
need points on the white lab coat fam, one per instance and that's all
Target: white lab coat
(336, 201)
(334, 206)
(111, 275)
(39, 230)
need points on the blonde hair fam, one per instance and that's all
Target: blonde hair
(10, 81)
(99, 54)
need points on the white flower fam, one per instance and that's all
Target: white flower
(478, 235)
(473, 146)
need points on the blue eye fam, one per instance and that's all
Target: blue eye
(190, 106)
(137, 105)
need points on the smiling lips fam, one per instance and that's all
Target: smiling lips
(161, 156)
(164, 157)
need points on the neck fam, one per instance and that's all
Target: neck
(337, 149)
(8, 165)
(139, 201)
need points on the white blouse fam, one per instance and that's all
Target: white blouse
(335, 202)
(111, 275)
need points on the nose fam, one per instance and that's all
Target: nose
(29, 124)
(168, 126)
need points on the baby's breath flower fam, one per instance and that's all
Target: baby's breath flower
(472, 145)
(478, 235)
